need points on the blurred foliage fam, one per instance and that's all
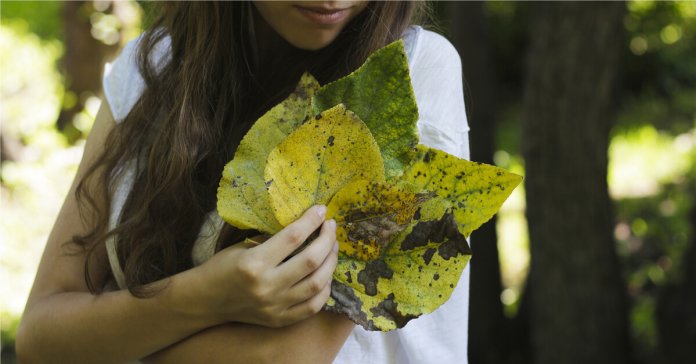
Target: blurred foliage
(34, 183)
(43, 18)
(38, 162)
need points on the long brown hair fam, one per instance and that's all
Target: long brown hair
(190, 118)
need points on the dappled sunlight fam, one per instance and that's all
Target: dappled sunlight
(642, 159)
(513, 237)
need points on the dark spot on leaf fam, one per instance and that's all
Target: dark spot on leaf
(349, 278)
(330, 141)
(268, 183)
(429, 155)
(442, 231)
(436, 277)
(373, 271)
(318, 117)
(376, 228)
(389, 310)
(456, 243)
(234, 183)
(349, 304)
(428, 255)
(417, 215)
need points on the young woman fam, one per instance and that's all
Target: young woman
(129, 273)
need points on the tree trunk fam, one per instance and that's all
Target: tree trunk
(469, 34)
(83, 59)
(676, 305)
(578, 304)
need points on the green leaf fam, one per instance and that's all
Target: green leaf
(475, 190)
(319, 158)
(380, 93)
(400, 254)
(242, 197)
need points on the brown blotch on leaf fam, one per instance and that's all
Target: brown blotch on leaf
(388, 309)
(373, 271)
(372, 229)
(456, 243)
(428, 255)
(349, 304)
(442, 230)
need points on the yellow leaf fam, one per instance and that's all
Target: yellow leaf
(475, 190)
(242, 196)
(368, 214)
(400, 254)
(318, 159)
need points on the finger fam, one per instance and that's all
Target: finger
(311, 306)
(282, 244)
(312, 284)
(311, 258)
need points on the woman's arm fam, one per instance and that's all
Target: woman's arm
(314, 340)
(64, 322)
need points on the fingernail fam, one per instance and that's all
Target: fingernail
(321, 211)
(335, 248)
(332, 223)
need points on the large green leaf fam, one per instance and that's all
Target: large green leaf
(242, 197)
(380, 93)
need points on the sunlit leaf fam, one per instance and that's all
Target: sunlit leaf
(242, 197)
(319, 158)
(475, 190)
(400, 254)
(380, 93)
(403, 210)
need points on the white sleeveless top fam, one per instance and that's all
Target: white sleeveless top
(435, 68)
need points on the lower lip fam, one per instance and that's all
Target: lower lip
(324, 18)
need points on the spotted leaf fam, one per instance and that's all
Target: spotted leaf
(319, 158)
(400, 254)
(242, 198)
(475, 190)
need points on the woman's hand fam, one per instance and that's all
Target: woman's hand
(257, 285)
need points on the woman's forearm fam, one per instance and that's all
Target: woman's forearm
(314, 340)
(114, 327)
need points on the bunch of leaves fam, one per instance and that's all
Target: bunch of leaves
(403, 210)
